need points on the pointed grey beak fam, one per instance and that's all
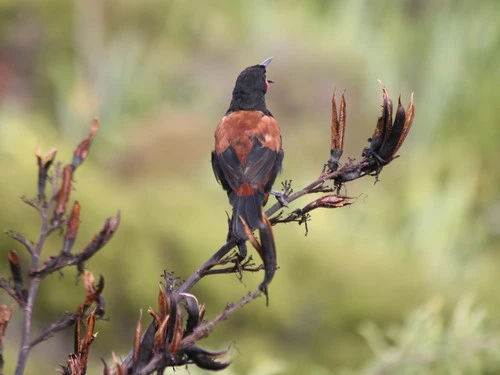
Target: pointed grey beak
(266, 62)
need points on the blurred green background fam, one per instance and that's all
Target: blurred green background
(403, 281)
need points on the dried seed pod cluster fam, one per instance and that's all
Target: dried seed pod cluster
(177, 325)
(388, 135)
(337, 133)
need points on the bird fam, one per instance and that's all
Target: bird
(246, 160)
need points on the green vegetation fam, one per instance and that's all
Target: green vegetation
(381, 287)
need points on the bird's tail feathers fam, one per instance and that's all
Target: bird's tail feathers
(267, 253)
(248, 215)
(249, 209)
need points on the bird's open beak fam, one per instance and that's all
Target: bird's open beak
(266, 62)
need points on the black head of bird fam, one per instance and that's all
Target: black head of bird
(250, 89)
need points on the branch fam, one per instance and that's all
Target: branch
(5, 285)
(21, 239)
(60, 324)
(55, 206)
(93, 297)
(385, 142)
(204, 329)
(65, 259)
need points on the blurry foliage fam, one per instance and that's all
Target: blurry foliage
(159, 75)
(427, 344)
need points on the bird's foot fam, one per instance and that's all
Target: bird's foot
(242, 250)
(281, 197)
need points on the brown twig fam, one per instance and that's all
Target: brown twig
(204, 329)
(5, 285)
(65, 321)
(21, 239)
(64, 259)
(93, 298)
